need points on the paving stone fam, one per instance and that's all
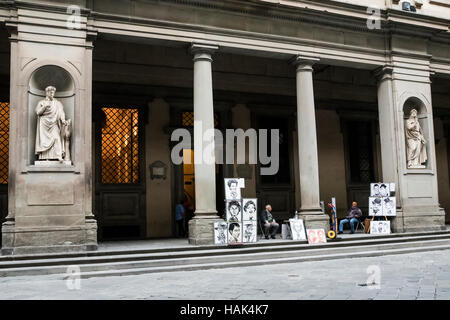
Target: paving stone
(317, 280)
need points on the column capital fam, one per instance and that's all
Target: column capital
(304, 62)
(384, 72)
(202, 50)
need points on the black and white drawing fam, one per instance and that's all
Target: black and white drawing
(220, 233)
(389, 206)
(249, 212)
(391, 188)
(375, 190)
(234, 233)
(297, 229)
(250, 230)
(232, 189)
(375, 206)
(384, 190)
(380, 227)
(234, 211)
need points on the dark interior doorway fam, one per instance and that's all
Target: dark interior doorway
(120, 173)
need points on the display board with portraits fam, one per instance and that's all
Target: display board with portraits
(380, 227)
(297, 229)
(241, 216)
(316, 236)
(382, 201)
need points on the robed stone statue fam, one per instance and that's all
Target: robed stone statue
(52, 130)
(416, 144)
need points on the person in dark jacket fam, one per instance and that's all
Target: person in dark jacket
(353, 215)
(269, 222)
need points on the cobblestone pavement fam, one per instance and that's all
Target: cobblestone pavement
(404, 276)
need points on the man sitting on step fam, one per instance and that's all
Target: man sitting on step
(352, 217)
(269, 222)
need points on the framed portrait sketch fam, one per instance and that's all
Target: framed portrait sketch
(234, 232)
(380, 227)
(389, 206)
(249, 209)
(234, 211)
(384, 190)
(297, 229)
(375, 190)
(220, 233)
(316, 236)
(232, 189)
(375, 206)
(249, 231)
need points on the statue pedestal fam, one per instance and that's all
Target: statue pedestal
(52, 163)
(417, 167)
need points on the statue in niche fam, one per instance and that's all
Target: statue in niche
(416, 145)
(52, 130)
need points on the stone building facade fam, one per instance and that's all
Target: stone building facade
(338, 78)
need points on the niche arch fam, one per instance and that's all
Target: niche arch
(41, 78)
(415, 103)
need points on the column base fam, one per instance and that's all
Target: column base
(18, 241)
(419, 219)
(201, 230)
(314, 220)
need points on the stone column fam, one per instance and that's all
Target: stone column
(310, 210)
(201, 226)
(387, 116)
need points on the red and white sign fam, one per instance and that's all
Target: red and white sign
(316, 236)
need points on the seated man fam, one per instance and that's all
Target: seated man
(269, 222)
(352, 217)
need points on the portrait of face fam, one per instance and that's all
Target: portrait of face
(380, 227)
(375, 206)
(384, 192)
(374, 190)
(234, 211)
(389, 208)
(232, 190)
(250, 232)
(234, 233)
(249, 209)
(220, 233)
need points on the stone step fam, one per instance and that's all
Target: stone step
(262, 245)
(215, 251)
(175, 259)
(237, 263)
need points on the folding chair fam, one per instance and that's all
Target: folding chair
(261, 229)
(359, 224)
